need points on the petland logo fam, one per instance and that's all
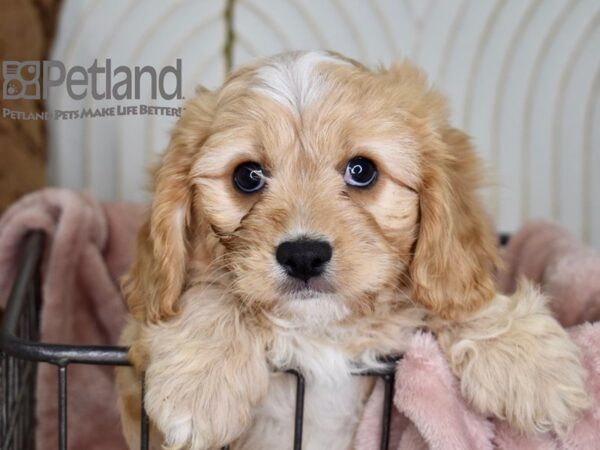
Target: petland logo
(34, 80)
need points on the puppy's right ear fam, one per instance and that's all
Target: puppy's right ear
(155, 281)
(456, 253)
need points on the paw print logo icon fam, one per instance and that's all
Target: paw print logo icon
(21, 80)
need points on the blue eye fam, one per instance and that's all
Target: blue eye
(249, 177)
(360, 172)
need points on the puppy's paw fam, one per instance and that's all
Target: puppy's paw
(202, 402)
(189, 420)
(203, 378)
(515, 362)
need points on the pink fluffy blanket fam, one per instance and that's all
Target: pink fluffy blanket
(430, 412)
(90, 245)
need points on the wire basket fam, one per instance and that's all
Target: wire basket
(20, 351)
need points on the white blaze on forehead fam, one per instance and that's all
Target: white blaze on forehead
(294, 79)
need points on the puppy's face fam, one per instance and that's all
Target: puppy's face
(309, 179)
(316, 185)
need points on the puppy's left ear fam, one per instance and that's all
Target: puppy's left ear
(456, 253)
(157, 276)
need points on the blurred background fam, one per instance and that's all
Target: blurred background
(523, 78)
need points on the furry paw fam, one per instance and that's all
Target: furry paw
(186, 426)
(203, 379)
(199, 408)
(517, 363)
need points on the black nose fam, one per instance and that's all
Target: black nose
(303, 258)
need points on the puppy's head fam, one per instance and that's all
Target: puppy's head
(308, 185)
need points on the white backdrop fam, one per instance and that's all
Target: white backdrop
(523, 77)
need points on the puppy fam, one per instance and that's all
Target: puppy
(313, 214)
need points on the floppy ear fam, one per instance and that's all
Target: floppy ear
(456, 251)
(156, 279)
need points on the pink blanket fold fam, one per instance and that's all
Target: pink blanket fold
(568, 271)
(430, 411)
(88, 246)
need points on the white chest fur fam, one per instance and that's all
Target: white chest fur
(333, 399)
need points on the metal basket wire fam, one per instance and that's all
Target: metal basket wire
(18, 375)
(20, 351)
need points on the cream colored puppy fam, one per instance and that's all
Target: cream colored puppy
(312, 214)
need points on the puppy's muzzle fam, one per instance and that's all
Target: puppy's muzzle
(304, 258)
